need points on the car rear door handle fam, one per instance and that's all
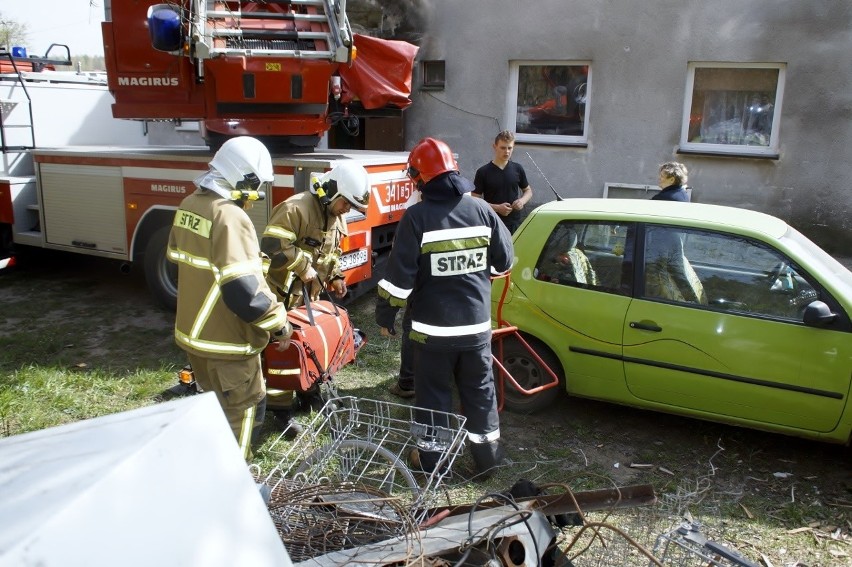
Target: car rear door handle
(646, 326)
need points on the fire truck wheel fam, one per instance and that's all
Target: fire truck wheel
(160, 274)
(527, 372)
(6, 242)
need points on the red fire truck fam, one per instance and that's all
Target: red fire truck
(94, 164)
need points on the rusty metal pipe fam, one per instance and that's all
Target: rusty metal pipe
(564, 503)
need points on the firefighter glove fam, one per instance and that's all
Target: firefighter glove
(309, 275)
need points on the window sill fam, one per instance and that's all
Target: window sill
(550, 143)
(734, 153)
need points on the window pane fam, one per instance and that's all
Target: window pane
(733, 273)
(733, 106)
(584, 255)
(433, 73)
(551, 99)
(669, 275)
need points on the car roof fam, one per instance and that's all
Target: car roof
(743, 221)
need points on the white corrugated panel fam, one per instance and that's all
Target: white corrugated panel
(84, 207)
(163, 485)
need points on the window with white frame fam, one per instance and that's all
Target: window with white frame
(733, 108)
(548, 101)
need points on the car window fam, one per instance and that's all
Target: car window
(725, 272)
(582, 254)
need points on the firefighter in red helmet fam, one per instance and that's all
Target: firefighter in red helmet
(428, 159)
(445, 250)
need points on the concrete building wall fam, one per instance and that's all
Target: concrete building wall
(639, 52)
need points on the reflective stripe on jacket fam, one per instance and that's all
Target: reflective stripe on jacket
(225, 309)
(300, 234)
(443, 256)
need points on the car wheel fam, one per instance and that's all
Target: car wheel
(529, 373)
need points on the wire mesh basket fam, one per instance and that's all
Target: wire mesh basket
(320, 519)
(604, 544)
(365, 443)
(687, 546)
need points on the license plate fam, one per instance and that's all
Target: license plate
(353, 259)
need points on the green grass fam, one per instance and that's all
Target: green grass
(39, 396)
(65, 356)
(81, 342)
(554, 454)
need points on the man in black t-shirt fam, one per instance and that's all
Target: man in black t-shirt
(503, 183)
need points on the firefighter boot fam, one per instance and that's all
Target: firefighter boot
(310, 400)
(424, 461)
(292, 428)
(487, 457)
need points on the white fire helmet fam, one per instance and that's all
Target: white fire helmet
(350, 181)
(245, 163)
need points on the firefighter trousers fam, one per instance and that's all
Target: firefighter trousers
(471, 372)
(407, 362)
(240, 389)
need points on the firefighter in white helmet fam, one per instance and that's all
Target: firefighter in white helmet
(445, 250)
(304, 233)
(225, 309)
(303, 239)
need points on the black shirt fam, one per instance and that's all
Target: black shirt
(501, 185)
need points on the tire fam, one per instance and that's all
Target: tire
(363, 462)
(526, 370)
(7, 246)
(160, 274)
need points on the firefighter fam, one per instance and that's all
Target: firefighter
(444, 252)
(303, 239)
(225, 309)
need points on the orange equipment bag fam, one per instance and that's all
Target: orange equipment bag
(323, 341)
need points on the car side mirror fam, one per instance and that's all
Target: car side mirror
(818, 314)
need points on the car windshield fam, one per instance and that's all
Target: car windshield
(825, 263)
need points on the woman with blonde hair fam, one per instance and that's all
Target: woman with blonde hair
(673, 178)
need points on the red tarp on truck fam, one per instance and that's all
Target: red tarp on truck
(380, 74)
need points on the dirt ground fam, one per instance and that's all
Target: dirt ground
(745, 469)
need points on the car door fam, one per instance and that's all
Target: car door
(577, 282)
(737, 348)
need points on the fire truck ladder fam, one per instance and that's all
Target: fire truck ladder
(7, 106)
(310, 29)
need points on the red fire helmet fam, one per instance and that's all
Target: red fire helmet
(430, 158)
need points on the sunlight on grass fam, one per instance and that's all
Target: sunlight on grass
(37, 397)
(84, 358)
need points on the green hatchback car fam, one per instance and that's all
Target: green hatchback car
(700, 310)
